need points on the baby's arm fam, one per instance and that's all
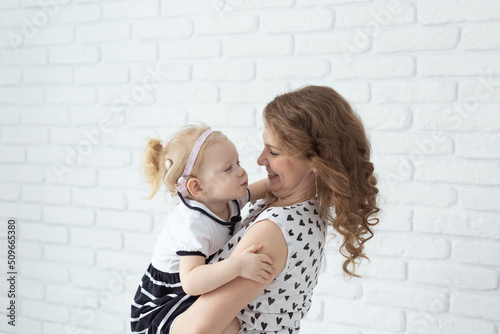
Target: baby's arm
(198, 278)
(258, 189)
(212, 312)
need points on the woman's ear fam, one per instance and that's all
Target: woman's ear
(194, 187)
(312, 164)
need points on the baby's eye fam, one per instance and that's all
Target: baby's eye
(228, 169)
(238, 163)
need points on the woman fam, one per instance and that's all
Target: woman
(318, 161)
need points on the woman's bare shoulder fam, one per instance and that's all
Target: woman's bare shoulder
(270, 235)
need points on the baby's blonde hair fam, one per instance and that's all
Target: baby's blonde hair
(177, 151)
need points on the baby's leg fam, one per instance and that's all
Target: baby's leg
(232, 328)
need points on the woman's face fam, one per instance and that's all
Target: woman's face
(291, 180)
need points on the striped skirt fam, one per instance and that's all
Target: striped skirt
(158, 301)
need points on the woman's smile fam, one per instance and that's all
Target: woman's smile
(271, 175)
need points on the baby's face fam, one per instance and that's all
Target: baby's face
(221, 175)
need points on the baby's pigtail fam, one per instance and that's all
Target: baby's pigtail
(153, 165)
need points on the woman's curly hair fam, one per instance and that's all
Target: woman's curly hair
(317, 123)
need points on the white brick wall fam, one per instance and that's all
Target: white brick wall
(83, 83)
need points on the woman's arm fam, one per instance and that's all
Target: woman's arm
(258, 189)
(213, 311)
(198, 278)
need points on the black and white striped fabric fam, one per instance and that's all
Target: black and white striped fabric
(158, 301)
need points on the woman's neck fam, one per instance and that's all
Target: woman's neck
(291, 201)
(295, 198)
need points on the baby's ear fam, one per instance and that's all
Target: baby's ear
(194, 187)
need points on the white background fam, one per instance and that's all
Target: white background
(83, 83)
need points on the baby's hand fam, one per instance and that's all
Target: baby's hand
(257, 267)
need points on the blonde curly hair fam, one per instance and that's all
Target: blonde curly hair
(177, 152)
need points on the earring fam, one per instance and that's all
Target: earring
(316, 182)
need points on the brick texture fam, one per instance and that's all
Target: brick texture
(84, 83)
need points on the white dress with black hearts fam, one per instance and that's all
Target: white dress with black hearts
(282, 305)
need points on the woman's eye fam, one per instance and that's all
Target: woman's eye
(272, 153)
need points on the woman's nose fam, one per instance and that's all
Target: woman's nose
(261, 159)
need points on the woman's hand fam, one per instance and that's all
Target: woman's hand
(257, 267)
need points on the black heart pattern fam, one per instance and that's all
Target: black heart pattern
(300, 238)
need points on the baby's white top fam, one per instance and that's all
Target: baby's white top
(192, 229)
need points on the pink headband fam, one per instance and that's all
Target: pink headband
(192, 158)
